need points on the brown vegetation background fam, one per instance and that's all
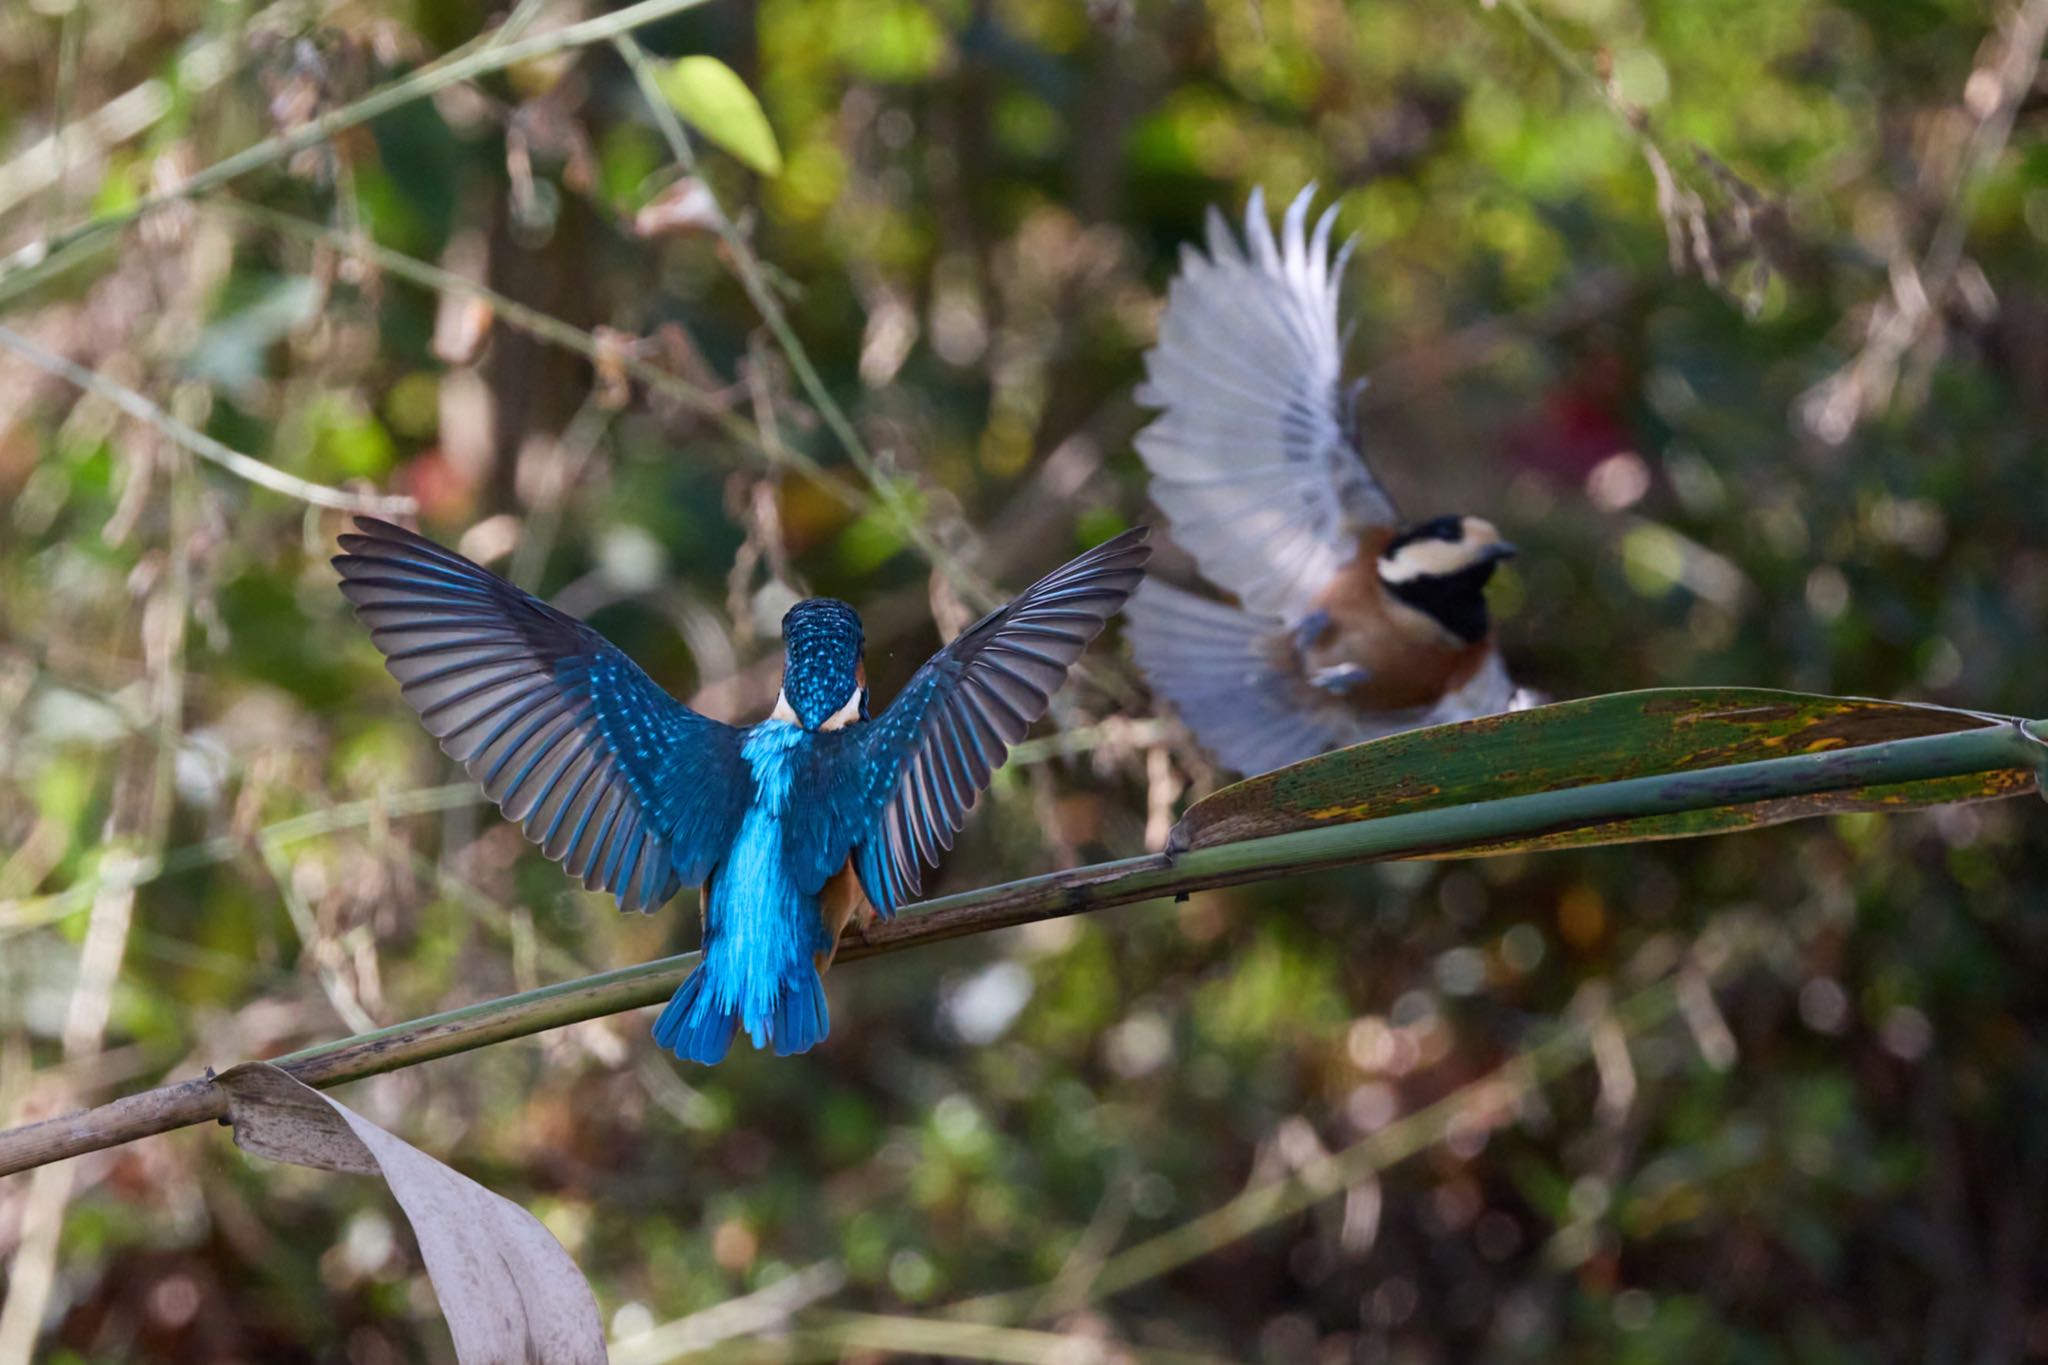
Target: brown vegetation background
(1732, 313)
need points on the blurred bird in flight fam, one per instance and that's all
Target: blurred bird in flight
(1350, 623)
(792, 827)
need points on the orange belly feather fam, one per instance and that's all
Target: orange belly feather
(1412, 660)
(841, 903)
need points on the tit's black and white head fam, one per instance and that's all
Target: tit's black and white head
(1440, 568)
(824, 682)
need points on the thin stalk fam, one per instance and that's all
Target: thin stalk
(767, 1309)
(198, 442)
(201, 65)
(516, 23)
(1492, 1095)
(1634, 120)
(70, 31)
(826, 1336)
(207, 853)
(1075, 891)
(437, 76)
(552, 330)
(747, 268)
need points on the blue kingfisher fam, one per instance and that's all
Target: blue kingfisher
(792, 827)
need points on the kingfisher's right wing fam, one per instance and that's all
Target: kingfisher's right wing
(626, 787)
(1253, 456)
(954, 722)
(891, 793)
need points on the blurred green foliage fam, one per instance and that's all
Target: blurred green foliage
(979, 206)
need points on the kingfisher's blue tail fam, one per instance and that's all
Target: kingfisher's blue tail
(701, 1018)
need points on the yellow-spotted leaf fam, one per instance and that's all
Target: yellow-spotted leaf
(1677, 734)
(716, 102)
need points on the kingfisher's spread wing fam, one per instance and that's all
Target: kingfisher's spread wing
(930, 754)
(1253, 457)
(626, 787)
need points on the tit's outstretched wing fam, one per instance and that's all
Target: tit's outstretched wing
(1223, 669)
(1253, 457)
(626, 787)
(1237, 681)
(925, 759)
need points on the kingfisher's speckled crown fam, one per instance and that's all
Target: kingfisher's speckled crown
(821, 649)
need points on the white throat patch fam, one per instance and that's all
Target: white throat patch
(848, 713)
(844, 716)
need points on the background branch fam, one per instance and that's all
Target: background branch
(16, 272)
(198, 442)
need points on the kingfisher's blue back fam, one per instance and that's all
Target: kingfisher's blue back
(761, 931)
(792, 827)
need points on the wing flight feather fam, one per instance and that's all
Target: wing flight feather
(933, 750)
(630, 790)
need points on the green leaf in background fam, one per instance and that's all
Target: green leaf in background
(718, 104)
(1658, 732)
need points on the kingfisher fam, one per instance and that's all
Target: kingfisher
(792, 827)
(1350, 622)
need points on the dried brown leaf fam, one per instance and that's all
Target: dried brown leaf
(508, 1289)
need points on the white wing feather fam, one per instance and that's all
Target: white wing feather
(1252, 459)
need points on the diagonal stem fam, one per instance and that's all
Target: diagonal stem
(747, 267)
(1442, 832)
(552, 330)
(198, 442)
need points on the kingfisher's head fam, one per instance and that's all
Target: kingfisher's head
(1440, 568)
(824, 683)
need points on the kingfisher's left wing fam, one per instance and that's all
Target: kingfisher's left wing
(626, 787)
(930, 754)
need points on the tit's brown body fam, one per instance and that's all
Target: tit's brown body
(1410, 660)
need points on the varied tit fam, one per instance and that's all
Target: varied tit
(792, 827)
(1351, 624)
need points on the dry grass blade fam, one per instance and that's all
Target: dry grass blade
(836, 1336)
(749, 1315)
